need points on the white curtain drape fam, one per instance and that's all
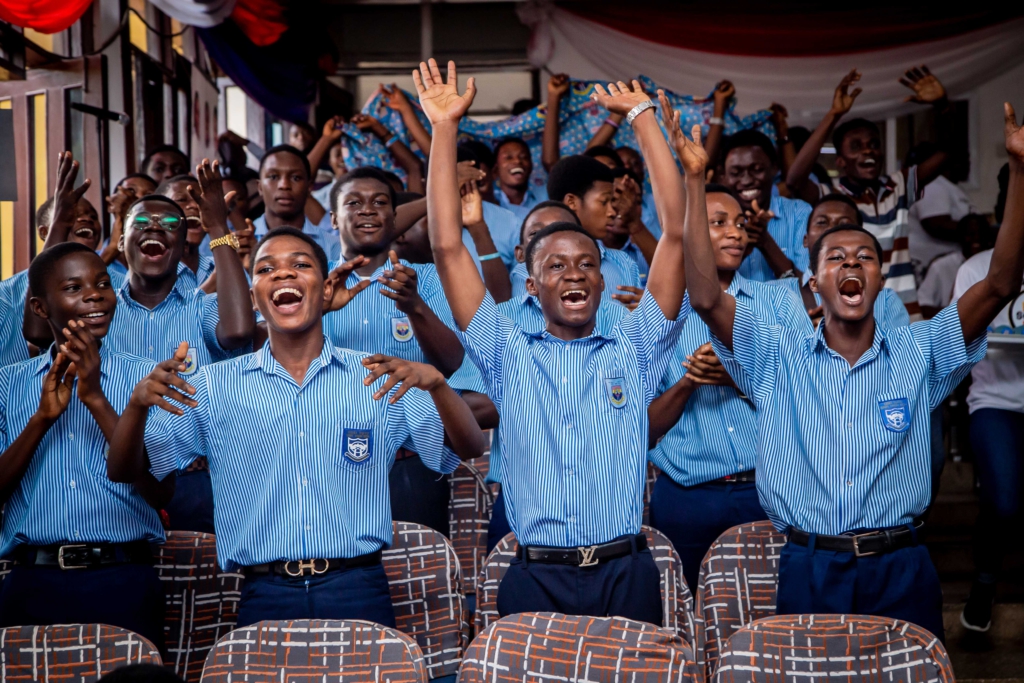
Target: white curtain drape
(200, 13)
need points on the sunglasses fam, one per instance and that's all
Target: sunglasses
(165, 221)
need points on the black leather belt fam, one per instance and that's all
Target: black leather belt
(84, 555)
(404, 454)
(738, 478)
(297, 568)
(587, 556)
(870, 543)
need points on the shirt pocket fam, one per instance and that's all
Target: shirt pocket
(357, 446)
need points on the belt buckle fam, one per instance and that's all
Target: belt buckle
(730, 478)
(587, 558)
(303, 565)
(60, 557)
(856, 546)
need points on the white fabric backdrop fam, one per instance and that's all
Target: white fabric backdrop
(201, 13)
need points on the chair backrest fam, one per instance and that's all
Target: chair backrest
(72, 652)
(851, 648)
(548, 646)
(649, 481)
(200, 601)
(325, 651)
(426, 592)
(469, 513)
(676, 601)
(737, 584)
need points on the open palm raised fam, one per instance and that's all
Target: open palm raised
(1014, 135)
(439, 99)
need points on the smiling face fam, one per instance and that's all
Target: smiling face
(86, 229)
(364, 216)
(828, 215)
(78, 288)
(848, 275)
(138, 187)
(178, 191)
(288, 287)
(284, 185)
(860, 155)
(164, 165)
(566, 279)
(595, 209)
(151, 250)
(728, 236)
(514, 165)
(541, 218)
(750, 174)
(336, 160)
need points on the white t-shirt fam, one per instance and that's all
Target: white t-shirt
(936, 289)
(940, 198)
(999, 378)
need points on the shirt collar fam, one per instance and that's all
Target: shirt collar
(45, 359)
(182, 285)
(739, 285)
(878, 343)
(264, 360)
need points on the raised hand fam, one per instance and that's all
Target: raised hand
(56, 393)
(332, 129)
(723, 92)
(558, 85)
(691, 152)
(66, 196)
(472, 205)
(401, 285)
(757, 223)
(394, 98)
(83, 350)
(842, 99)
(629, 296)
(626, 196)
(670, 119)
(927, 88)
(704, 367)
(118, 203)
(779, 116)
(466, 171)
(246, 242)
(213, 204)
(364, 122)
(440, 99)
(164, 383)
(342, 294)
(619, 98)
(410, 374)
(1014, 137)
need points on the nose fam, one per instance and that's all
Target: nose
(93, 293)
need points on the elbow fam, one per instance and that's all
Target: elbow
(118, 473)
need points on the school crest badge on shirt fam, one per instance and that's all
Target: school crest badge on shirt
(616, 390)
(358, 444)
(895, 414)
(191, 362)
(401, 329)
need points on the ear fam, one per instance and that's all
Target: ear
(840, 163)
(812, 282)
(328, 291)
(252, 300)
(520, 254)
(38, 307)
(531, 287)
(43, 231)
(120, 243)
(573, 202)
(806, 246)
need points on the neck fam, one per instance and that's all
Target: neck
(566, 333)
(150, 292)
(275, 221)
(869, 184)
(190, 257)
(725, 278)
(515, 194)
(849, 338)
(376, 260)
(488, 194)
(614, 240)
(296, 350)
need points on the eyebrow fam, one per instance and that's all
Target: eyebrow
(267, 257)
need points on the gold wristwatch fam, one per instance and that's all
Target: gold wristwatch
(228, 239)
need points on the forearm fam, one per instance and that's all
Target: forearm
(210, 284)
(157, 493)
(773, 254)
(126, 456)
(407, 214)
(495, 273)
(645, 241)
(104, 414)
(16, 459)
(411, 164)
(416, 130)
(461, 431)
(606, 132)
(314, 210)
(713, 141)
(484, 410)
(800, 170)
(549, 143)
(665, 411)
(234, 305)
(439, 344)
(717, 309)
(316, 155)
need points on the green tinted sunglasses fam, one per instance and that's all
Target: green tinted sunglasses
(165, 221)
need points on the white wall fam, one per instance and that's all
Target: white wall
(990, 152)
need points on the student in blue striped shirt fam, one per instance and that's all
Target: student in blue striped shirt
(843, 414)
(300, 440)
(80, 543)
(159, 307)
(709, 450)
(176, 189)
(573, 402)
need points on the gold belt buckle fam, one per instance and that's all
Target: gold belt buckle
(303, 565)
(856, 545)
(60, 557)
(587, 558)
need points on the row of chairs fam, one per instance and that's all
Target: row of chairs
(522, 647)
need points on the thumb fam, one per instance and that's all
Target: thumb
(181, 352)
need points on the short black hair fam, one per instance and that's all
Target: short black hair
(551, 229)
(750, 138)
(845, 128)
(163, 187)
(45, 262)
(359, 173)
(605, 151)
(576, 174)
(546, 204)
(841, 199)
(392, 177)
(144, 176)
(44, 214)
(157, 198)
(718, 187)
(163, 148)
(287, 149)
(845, 227)
(474, 150)
(318, 252)
(510, 140)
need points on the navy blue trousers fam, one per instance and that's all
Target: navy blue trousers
(694, 516)
(419, 494)
(901, 584)
(125, 595)
(997, 439)
(191, 508)
(628, 586)
(498, 527)
(356, 593)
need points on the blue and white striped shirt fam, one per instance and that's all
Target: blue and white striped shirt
(841, 448)
(504, 228)
(889, 309)
(298, 472)
(616, 267)
(573, 420)
(717, 433)
(787, 229)
(324, 234)
(632, 251)
(65, 494)
(535, 194)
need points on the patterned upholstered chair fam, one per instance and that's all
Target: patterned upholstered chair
(426, 591)
(469, 513)
(200, 601)
(548, 646)
(738, 579)
(324, 651)
(5, 568)
(854, 649)
(75, 652)
(677, 603)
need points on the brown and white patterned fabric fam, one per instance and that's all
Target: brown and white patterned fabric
(737, 584)
(851, 648)
(200, 601)
(469, 514)
(426, 592)
(5, 568)
(75, 652)
(320, 650)
(677, 603)
(537, 646)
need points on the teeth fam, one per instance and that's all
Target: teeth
(573, 291)
(148, 242)
(98, 314)
(869, 162)
(750, 194)
(287, 290)
(517, 170)
(84, 232)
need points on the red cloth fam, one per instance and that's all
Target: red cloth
(789, 31)
(45, 16)
(262, 21)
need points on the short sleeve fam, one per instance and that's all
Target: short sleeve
(414, 418)
(5, 387)
(894, 312)
(467, 378)
(432, 293)
(950, 359)
(800, 213)
(789, 310)
(210, 319)
(654, 337)
(174, 441)
(754, 357)
(485, 341)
